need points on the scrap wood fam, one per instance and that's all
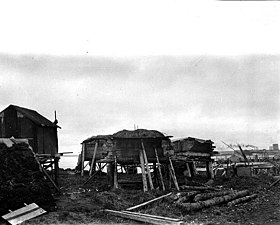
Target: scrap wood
(148, 202)
(204, 196)
(159, 220)
(213, 201)
(243, 199)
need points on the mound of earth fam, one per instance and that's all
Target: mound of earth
(21, 180)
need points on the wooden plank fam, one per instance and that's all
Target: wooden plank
(143, 218)
(173, 175)
(147, 166)
(144, 178)
(83, 159)
(116, 186)
(23, 214)
(148, 202)
(93, 158)
(153, 216)
(159, 170)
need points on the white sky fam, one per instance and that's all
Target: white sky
(208, 69)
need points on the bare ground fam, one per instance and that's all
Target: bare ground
(78, 205)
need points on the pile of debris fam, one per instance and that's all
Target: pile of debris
(21, 181)
(198, 197)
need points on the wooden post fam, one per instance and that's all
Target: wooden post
(147, 166)
(116, 174)
(83, 159)
(93, 158)
(159, 170)
(173, 175)
(209, 169)
(56, 170)
(144, 178)
(110, 174)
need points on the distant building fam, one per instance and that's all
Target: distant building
(19, 122)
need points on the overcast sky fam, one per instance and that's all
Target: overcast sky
(207, 69)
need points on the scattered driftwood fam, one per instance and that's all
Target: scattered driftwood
(148, 202)
(214, 201)
(198, 188)
(159, 220)
(243, 199)
(204, 196)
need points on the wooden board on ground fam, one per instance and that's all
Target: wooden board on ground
(25, 213)
(145, 217)
(148, 202)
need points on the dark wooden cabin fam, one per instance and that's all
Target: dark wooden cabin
(19, 122)
(126, 145)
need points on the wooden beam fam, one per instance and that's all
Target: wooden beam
(144, 178)
(93, 158)
(152, 216)
(116, 186)
(159, 170)
(147, 166)
(143, 217)
(173, 175)
(83, 159)
(148, 202)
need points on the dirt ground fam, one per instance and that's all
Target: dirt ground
(79, 204)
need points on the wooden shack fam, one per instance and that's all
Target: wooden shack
(192, 151)
(126, 145)
(19, 122)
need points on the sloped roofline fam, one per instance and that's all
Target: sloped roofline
(34, 116)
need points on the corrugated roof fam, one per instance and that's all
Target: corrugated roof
(33, 116)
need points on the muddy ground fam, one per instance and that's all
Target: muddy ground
(79, 204)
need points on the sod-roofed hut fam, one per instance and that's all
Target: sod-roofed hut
(126, 145)
(194, 147)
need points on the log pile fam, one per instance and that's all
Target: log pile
(196, 197)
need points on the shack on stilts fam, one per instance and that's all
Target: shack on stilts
(148, 153)
(18, 123)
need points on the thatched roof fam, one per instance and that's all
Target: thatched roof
(139, 133)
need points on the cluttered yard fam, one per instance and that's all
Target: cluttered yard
(129, 177)
(86, 205)
(84, 201)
